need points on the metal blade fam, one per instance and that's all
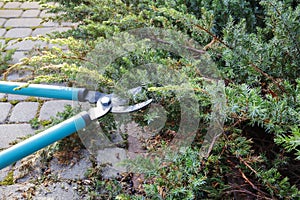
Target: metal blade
(119, 101)
(128, 109)
(93, 96)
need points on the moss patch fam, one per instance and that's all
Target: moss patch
(3, 99)
(14, 102)
(46, 122)
(32, 99)
(8, 180)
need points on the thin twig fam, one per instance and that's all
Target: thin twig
(252, 185)
(256, 68)
(247, 180)
(245, 163)
(186, 47)
(214, 36)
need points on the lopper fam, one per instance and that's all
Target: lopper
(105, 103)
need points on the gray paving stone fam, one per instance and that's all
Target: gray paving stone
(44, 31)
(4, 111)
(3, 173)
(31, 5)
(25, 45)
(23, 22)
(10, 13)
(74, 172)
(16, 191)
(69, 24)
(2, 95)
(113, 156)
(31, 13)
(24, 112)
(12, 5)
(18, 55)
(45, 13)
(11, 97)
(57, 191)
(2, 21)
(50, 24)
(18, 75)
(2, 42)
(51, 108)
(2, 31)
(11, 132)
(18, 33)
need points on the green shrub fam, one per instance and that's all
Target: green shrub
(256, 47)
(5, 57)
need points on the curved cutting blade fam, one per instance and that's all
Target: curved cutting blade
(128, 109)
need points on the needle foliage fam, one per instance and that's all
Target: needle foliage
(256, 47)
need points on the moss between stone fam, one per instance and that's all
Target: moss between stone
(46, 122)
(32, 99)
(4, 99)
(14, 102)
(8, 180)
(8, 28)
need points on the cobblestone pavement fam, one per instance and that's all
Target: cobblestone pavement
(19, 20)
(38, 179)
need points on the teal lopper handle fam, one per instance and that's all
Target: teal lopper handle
(43, 139)
(39, 90)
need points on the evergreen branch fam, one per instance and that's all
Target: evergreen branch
(255, 67)
(186, 47)
(214, 36)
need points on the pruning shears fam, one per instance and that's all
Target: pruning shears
(105, 103)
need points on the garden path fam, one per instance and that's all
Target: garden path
(20, 20)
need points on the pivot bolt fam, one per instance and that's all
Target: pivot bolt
(105, 101)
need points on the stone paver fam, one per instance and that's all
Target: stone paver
(25, 45)
(31, 13)
(2, 42)
(74, 172)
(23, 22)
(112, 156)
(44, 31)
(12, 5)
(24, 112)
(44, 13)
(18, 20)
(17, 76)
(3, 174)
(10, 13)
(51, 108)
(13, 132)
(16, 97)
(18, 33)
(2, 21)
(50, 24)
(12, 192)
(57, 191)
(30, 5)
(18, 55)
(2, 96)
(2, 31)
(4, 111)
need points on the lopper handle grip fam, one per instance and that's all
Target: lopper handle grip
(43, 139)
(40, 90)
